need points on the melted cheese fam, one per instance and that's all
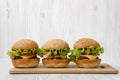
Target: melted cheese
(26, 57)
(91, 57)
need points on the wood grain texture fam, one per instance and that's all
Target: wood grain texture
(71, 69)
(67, 19)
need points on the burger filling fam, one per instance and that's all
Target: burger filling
(23, 54)
(54, 54)
(91, 57)
(90, 53)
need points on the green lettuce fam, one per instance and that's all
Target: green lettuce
(19, 52)
(77, 52)
(62, 52)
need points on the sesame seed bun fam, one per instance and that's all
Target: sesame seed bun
(55, 44)
(55, 63)
(86, 42)
(24, 44)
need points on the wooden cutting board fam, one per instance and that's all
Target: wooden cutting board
(71, 69)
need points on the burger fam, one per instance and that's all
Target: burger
(54, 53)
(86, 53)
(24, 53)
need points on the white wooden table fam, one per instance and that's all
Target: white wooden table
(5, 66)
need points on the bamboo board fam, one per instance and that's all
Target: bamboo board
(71, 69)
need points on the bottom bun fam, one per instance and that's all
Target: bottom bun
(56, 63)
(25, 63)
(88, 63)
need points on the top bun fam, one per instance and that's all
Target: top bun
(55, 44)
(86, 42)
(24, 44)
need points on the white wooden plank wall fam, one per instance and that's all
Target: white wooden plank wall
(70, 20)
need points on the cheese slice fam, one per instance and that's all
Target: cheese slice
(91, 57)
(26, 57)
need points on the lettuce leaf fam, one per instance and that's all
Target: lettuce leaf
(62, 52)
(77, 52)
(18, 52)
